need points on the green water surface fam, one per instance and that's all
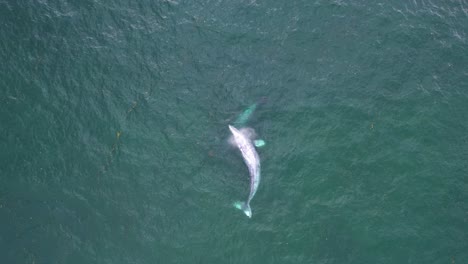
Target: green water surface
(114, 118)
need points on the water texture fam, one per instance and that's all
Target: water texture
(114, 118)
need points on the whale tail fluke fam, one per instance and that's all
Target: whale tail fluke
(245, 207)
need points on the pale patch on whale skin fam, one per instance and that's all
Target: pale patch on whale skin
(248, 132)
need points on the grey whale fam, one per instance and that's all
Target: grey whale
(252, 160)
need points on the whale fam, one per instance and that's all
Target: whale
(245, 144)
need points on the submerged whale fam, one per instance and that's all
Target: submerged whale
(252, 160)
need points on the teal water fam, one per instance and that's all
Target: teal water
(114, 118)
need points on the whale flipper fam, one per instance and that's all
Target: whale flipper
(259, 143)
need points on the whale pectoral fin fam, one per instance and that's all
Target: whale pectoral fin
(259, 143)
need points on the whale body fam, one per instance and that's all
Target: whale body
(252, 160)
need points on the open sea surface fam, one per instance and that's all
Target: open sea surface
(114, 123)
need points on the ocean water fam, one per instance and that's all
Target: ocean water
(114, 118)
